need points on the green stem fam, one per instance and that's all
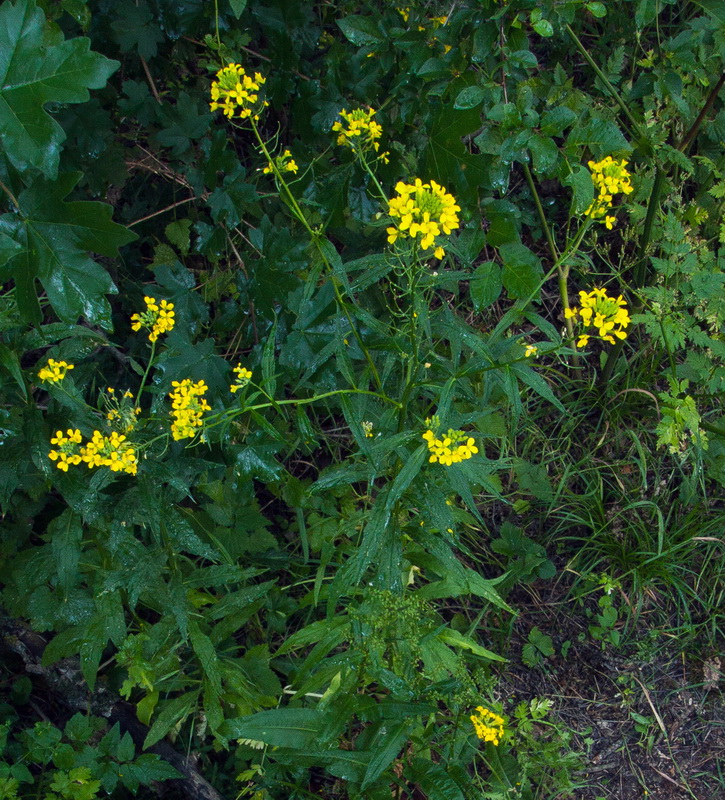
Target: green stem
(146, 373)
(540, 212)
(316, 236)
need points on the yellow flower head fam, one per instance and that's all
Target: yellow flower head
(284, 163)
(531, 350)
(610, 177)
(608, 315)
(54, 371)
(66, 453)
(488, 725)
(452, 448)
(235, 92)
(359, 131)
(157, 319)
(113, 451)
(422, 211)
(243, 377)
(123, 413)
(188, 406)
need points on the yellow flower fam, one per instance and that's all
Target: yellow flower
(367, 429)
(54, 371)
(422, 211)
(243, 377)
(235, 92)
(360, 132)
(451, 449)
(113, 451)
(610, 177)
(67, 452)
(188, 406)
(157, 319)
(608, 315)
(488, 725)
(531, 350)
(284, 163)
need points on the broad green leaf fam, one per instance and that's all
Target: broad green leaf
(469, 97)
(556, 120)
(136, 28)
(360, 30)
(580, 180)
(522, 270)
(296, 728)
(485, 285)
(603, 137)
(37, 67)
(205, 652)
(56, 237)
(544, 154)
(177, 709)
(9, 359)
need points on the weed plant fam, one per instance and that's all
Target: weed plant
(325, 326)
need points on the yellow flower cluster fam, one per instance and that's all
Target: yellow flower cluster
(188, 405)
(610, 177)
(67, 452)
(451, 449)
(157, 319)
(244, 375)
(488, 725)
(362, 132)
(284, 163)
(422, 210)
(54, 371)
(234, 90)
(112, 451)
(608, 314)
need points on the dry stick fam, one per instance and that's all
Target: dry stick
(640, 270)
(150, 80)
(162, 211)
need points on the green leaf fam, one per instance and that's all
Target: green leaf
(296, 728)
(580, 180)
(361, 31)
(237, 7)
(597, 8)
(38, 67)
(453, 638)
(485, 285)
(137, 29)
(385, 748)
(177, 709)
(56, 237)
(532, 378)
(544, 154)
(205, 652)
(469, 97)
(556, 120)
(522, 271)
(434, 782)
(601, 136)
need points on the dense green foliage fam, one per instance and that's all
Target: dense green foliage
(292, 581)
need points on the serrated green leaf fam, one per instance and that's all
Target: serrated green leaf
(434, 781)
(556, 120)
(137, 29)
(38, 67)
(177, 709)
(485, 285)
(56, 237)
(295, 728)
(544, 154)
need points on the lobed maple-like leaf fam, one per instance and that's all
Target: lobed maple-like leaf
(37, 66)
(55, 238)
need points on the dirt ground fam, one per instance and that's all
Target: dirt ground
(649, 714)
